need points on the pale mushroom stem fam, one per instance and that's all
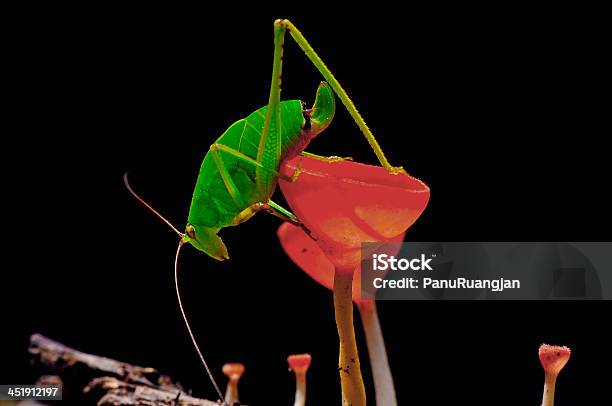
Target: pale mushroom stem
(300, 390)
(381, 372)
(353, 390)
(548, 399)
(299, 365)
(233, 372)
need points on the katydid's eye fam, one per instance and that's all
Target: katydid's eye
(191, 231)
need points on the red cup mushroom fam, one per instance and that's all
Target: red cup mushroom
(553, 358)
(343, 204)
(233, 371)
(299, 364)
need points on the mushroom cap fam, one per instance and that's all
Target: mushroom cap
(346, 203)
(553, 358)
(299, 363)
(233, 370)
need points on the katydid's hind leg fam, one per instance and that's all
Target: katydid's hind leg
(269, 150)
(342, 95)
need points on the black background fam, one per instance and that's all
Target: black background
(500, 115)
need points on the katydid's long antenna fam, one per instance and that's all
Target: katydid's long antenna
(176, 285)
(193, 340)
(147, 205)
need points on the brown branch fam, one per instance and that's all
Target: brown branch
(118, 393)
(92, 379)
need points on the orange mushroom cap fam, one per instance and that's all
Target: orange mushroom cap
(553, 358)
(233, 370)
(299, 363)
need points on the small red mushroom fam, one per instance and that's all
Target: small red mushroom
(553, 358)
(299, 364)
(233, 371)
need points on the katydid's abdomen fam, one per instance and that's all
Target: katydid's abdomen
(213, 204)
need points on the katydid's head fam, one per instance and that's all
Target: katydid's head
(206, 240)
(320, 116)
(203, 238)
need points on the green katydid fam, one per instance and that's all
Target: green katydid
(240, 172)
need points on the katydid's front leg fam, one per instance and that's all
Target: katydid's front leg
(274, 209)
(289, 217)
(220, 148)
(279, 211)
(226, 177)
(329, 159)
(342, 95)
(247, 159)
